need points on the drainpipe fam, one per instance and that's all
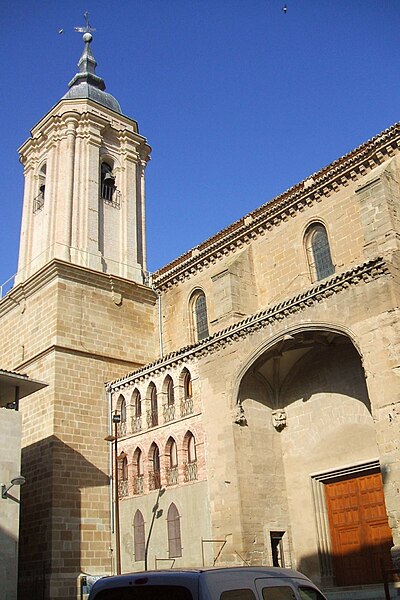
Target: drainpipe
(110, 458)
(160, 324)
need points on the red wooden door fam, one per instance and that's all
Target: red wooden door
(360, 534)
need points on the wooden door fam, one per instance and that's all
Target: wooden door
(360, 534)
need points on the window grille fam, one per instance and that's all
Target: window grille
(138, 485)
(136, 424)
(186, 407)
(123, 488)
(190, 471)
(154, 480)
(169, 412)
(172, 475)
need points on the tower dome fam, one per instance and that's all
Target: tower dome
(86, 84)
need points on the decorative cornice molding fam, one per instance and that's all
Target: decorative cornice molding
(350, 167)
(59, 269)
(368, 271)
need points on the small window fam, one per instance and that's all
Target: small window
(139, 536)
(199, 316)
(318, 252)
(174, 532)
(279, 592)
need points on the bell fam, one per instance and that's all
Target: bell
(109, 179)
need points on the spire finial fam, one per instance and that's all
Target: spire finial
(87, 35)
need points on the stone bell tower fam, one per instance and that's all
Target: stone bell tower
(84, 183)
(79, 315)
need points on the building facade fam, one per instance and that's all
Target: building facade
(256, 376)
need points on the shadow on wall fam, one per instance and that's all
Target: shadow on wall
(50, 520)
(368, 564)
(8, 562)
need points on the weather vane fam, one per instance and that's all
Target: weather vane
(87, 28)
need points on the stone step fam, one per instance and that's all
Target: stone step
(362, 592)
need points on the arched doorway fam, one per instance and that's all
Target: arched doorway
(308, 452)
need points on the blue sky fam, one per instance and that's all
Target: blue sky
(238, 100)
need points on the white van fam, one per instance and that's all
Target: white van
(231, 583)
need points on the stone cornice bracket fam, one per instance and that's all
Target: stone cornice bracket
(116, 296)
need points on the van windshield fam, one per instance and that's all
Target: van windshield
(145, 592)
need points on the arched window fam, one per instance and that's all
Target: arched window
(138, 472)
(155, 469)
(123, 474)
(187, 399)
(199, 318)
(172, 466)
(107, 187)
(152, 414)
(121, 409)
(190, 467)
(174, 532)
(318, 252)
(137, 411)
(139, 536)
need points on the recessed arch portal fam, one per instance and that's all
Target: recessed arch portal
(307, 410)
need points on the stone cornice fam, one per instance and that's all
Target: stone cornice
(328, 180)
(64, 270)
(365, 272)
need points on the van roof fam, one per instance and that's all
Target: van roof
(160, 576)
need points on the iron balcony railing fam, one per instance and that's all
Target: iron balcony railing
(154, 480)
(38, 202)
(111, 195)
(121, 428)
(169, 412)
(123, 488)
(138, 485)
(190, 471)
(186, 407)
(152, 418)
(172, 475)
(136, 424)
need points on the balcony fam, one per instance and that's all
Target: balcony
(186, 407)
(136, 424)
(190, 471)
(152, 418)
(123, 488)
(169, 412)
(138, 485)
(172, 475)
(154, 480)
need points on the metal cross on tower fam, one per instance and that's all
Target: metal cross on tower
(87, 28)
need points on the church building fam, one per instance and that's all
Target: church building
(253, 381)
